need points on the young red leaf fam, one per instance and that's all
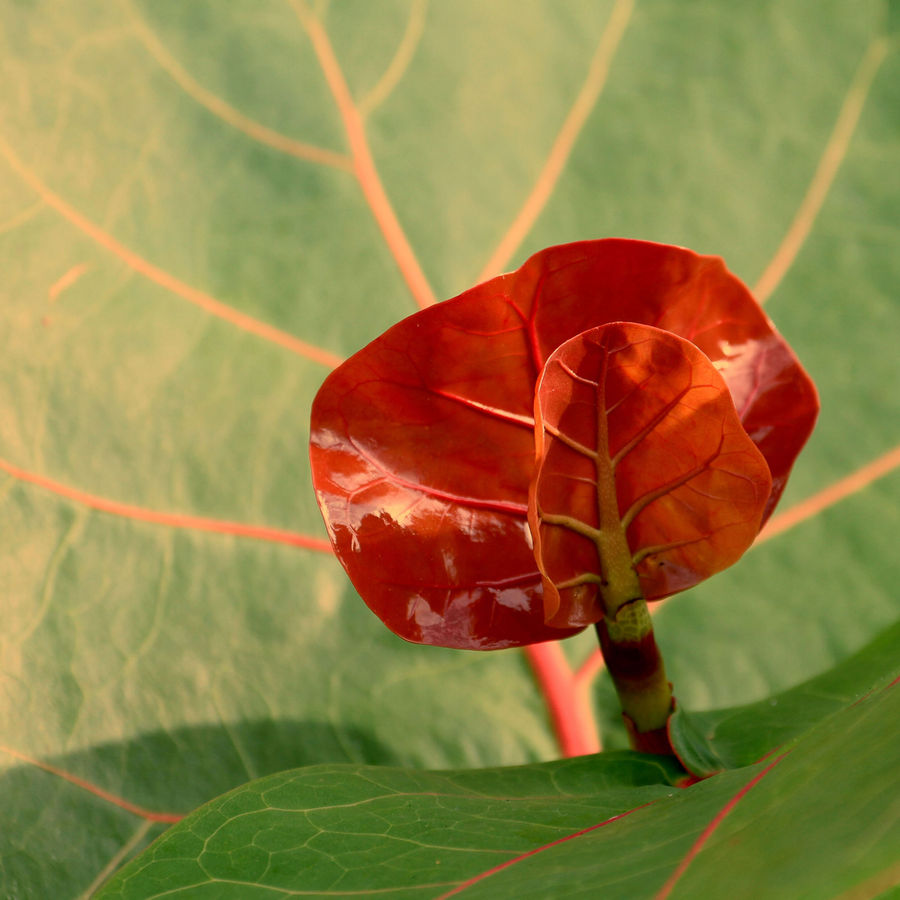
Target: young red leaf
(646, 483)
(422, 450)
(422, 443)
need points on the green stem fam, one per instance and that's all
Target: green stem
(639, 675)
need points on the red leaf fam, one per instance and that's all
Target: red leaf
(647, 483)
(422, 443)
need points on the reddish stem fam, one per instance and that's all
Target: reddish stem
(569, 707)
(639, 676)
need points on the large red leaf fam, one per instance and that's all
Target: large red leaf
(422, 443)
(647, 483)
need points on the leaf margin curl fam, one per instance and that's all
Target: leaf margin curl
(677, 396)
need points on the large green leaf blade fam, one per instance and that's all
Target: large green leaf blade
(167, 665)
(798, 823)
(366, 829)
(708, 742)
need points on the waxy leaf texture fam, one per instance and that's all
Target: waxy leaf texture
(643, 466)
(422, 444)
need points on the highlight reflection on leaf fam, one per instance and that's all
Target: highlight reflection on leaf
(422, 454)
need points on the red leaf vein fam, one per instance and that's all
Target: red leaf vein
(363, 163)
(517, 859)
(834, 493)
(227, 113)
(641, 503)
(651, 424)
(164, 279)
(171, 520)
(584, 102)
(507, 507)
(504, 414)
(115, 800)
(713, 826)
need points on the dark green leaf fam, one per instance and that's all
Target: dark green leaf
(800, 823)
(729, 738)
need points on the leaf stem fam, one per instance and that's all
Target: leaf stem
(638, 674)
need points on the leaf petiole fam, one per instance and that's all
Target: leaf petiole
(638, 674)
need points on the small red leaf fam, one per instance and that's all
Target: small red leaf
(422, 443)
(647, 483)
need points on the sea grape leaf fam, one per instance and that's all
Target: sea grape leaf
(708, 742)
(612, 824)
(422, 443)
(643, 468)
(167, 665)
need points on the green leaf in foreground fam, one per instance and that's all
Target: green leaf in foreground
(362, 828)
(708, 742)
(822, 812)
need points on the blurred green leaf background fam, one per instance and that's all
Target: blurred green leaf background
(186, 194)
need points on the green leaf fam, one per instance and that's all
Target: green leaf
(729, 738)
(610, 825)
(155, 159)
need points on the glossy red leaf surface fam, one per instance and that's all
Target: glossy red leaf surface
(422, 443)
(643, 469)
